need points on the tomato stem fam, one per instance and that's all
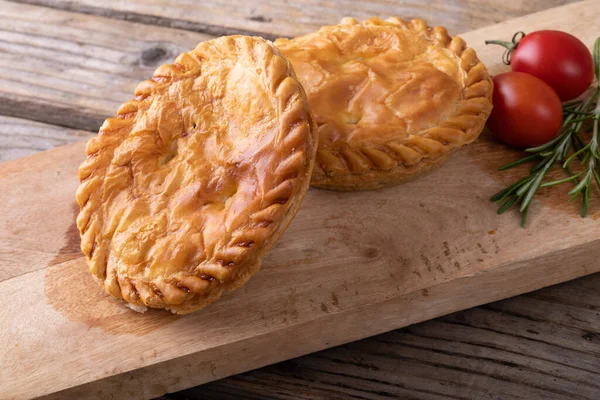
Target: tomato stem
(510, 46)
(503, 43)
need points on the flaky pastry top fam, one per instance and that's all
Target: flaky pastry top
(380, 90)
(197, 176)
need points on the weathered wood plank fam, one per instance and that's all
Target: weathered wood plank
(274, 18)
(538, 345)
(74, 70)
(22, 137)
(304, 316)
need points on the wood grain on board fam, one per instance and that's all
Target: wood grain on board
(274, 18)
(344, 270)
(22, 137)
(75, 70)
(540, 345)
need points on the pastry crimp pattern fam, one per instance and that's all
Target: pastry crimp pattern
(242, 210)
(371, 163)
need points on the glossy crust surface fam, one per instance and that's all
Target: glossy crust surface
(392, 99)
(197, 176)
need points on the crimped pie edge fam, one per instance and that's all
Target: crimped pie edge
(264, 233)
(405, 159)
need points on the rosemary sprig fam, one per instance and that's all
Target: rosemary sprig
(564, 149)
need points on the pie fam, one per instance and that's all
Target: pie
(392, 99)
(196, 177)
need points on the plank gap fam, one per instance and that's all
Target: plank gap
(153, 20)
(63, 116)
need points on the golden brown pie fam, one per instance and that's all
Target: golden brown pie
(392, 99)
(196, 177)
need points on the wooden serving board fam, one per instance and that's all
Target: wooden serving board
(351, 265)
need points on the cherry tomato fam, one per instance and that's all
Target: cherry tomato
(527, 111)
(558, 58)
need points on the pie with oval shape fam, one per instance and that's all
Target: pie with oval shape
(196, 177)
(392, 99)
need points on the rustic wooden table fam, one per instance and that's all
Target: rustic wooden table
(545, 344)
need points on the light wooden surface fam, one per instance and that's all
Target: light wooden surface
(343, 271)
(75, 70)
(22, 137)
(541, 345)
(274, 18)
(372, 279)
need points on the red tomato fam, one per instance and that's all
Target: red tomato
(558, 58)
(527, 112)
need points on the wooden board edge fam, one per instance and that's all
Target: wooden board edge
(45, 158)
(343, 327)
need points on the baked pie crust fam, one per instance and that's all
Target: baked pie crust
(196, 177)
(392, 99)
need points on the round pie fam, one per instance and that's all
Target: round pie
(391, 99)
(196, 177)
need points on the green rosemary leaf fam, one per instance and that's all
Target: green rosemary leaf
(534, 186)
(586, 113)
(578, 140)
(518, 162)
(596, 54)
(572, 103)
(596, 178)
(595, 138)
(582, 119)
(545, 145)
(581, 185)
(570, 172)
(574, 155)
(503, 194)
(585, 201)
(586, 157)
(560, 181)
(508, 203)
(524, 188)
(524, 219)
(573, 197)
